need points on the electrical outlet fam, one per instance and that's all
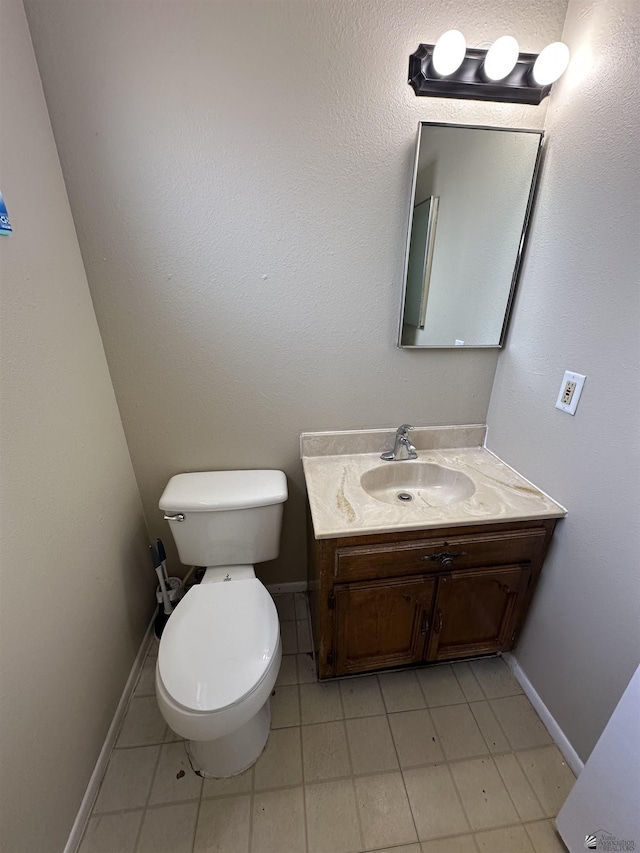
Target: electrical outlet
(567, 394)
(570, 391)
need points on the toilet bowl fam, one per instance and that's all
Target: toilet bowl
(220, 651)
(218, 661)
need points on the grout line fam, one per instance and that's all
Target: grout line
(144, 813)
(252, 794)
(122, 811)
(506, 787)
(384, 701)
(473, 675)
(353, 776)
(142, 745)
(313, 646)
(553, 828)
(502, 728)
(154, 807)
(404, 784)
(197, 820)
(478, 726)
(304, 791)
(461, 801)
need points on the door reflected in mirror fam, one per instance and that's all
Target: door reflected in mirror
(470, 206)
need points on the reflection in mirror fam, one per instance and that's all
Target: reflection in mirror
(471, 200)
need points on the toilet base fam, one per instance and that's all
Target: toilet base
(234, 753)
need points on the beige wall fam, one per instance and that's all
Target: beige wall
(239, 175)
(578, 309)
(75, 583)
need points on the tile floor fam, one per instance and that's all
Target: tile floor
(449, 759)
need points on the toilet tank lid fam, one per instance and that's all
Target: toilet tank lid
(211, 491)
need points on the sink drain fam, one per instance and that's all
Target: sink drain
(404, 496)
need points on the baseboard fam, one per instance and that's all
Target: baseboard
(560, 739)
(86, 806)
(293, 586)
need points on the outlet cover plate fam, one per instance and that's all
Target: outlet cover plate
(570, 390)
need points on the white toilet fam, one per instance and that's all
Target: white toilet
(220, 651)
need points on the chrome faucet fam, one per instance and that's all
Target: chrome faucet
(402, 449)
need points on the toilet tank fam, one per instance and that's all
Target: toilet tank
(228, 517)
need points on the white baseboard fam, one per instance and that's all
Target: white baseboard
(82, 818)
(560, 739)
(293, 586)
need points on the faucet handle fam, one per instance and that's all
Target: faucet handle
(404, 429)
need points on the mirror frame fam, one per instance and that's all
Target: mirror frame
(521, 243)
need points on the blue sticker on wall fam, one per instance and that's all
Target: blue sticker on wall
(5, 225)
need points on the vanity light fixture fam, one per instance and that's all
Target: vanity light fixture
(448, 53)
(449, 69)
(501, 58)
(550, 64)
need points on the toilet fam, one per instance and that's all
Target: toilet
(220, 651)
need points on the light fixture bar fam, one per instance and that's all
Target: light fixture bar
(469, 82)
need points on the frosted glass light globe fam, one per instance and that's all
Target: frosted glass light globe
(551, 64)
(449, 52)
(501, 58)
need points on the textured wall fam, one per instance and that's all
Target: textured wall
(578, 309)
(239, 175)
(76, 588)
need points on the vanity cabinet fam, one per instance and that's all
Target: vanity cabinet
(381, 623)
(476, 612)
(409, 597)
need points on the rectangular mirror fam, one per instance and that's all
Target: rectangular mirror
(470, 204)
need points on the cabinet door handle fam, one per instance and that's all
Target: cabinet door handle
(424, 627)
(445, 558)
(438, 627)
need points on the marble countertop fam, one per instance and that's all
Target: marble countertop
(341, 507)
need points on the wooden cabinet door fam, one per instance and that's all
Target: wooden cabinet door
(476, 612)
(381, 624)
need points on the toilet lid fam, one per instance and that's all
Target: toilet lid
(218, 644)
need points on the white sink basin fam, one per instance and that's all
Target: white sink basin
(413, 482)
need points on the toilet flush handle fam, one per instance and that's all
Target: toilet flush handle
(177, 517)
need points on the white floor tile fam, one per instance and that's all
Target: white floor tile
(128, 779)
(280, 765)
(520, 723)
(146, 685)
(495, 678)
(384, 811)
(434, 802)
(278, 822)
(223, 826)
(143, 724)
(415, 738)
(113, 833)
(320, 702)
(324, 751)
(285, 707)
(332, 819)
(440, 686)
(401, 691)
(169, 829)
(371, 745)
(483, 794)
(361, 697)
(174, 780)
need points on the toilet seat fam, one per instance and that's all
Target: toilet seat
(219, 644)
